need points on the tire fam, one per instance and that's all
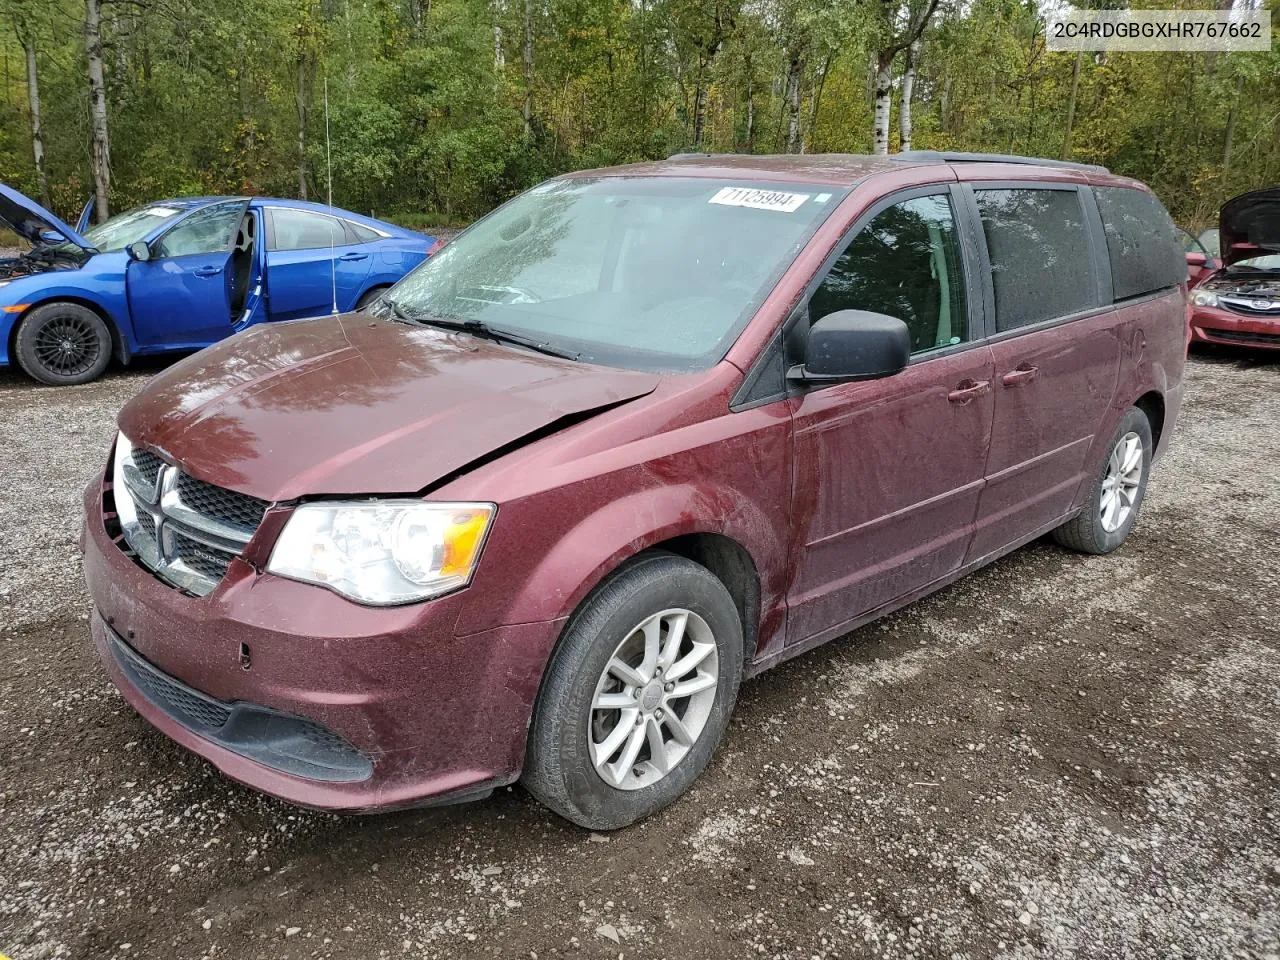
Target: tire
(369, 296)
(1088, 532)
(62, 344)
(567, 727)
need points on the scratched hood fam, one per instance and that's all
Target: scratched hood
(355, 405)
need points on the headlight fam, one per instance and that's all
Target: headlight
(383, 552)
(1203, 298)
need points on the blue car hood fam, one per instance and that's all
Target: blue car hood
(28, 219)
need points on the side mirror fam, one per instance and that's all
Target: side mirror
(1197, 261)
(853, 345)
(52, 236)
(139, 250)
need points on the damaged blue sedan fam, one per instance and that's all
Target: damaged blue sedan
(178, 275)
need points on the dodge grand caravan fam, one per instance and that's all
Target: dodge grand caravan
(638, 434)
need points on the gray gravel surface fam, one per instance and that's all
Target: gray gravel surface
(1060, 756)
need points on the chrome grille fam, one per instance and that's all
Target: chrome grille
(184, 530)
(236, 509)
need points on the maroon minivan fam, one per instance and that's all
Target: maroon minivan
(638, 434)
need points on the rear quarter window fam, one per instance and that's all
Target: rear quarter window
(1142, 242)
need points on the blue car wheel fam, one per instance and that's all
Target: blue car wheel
(63, 343)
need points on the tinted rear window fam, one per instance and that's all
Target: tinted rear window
(1039, 249)
(1142, 242)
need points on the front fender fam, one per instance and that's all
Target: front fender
(599, 543)
(99, 290)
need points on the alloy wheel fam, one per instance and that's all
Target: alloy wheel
(67, 346)
(1121, 482)
(654, 698)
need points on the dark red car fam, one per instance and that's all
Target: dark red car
(1239, 302)
(638, 434)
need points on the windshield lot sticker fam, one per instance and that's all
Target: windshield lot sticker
(760, 199)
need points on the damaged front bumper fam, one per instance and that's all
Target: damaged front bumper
(297, 692)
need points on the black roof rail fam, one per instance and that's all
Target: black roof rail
(946, 156)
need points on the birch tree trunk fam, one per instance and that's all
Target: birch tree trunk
(1071, 105)
(795, 72)
(883, 92)
(37, 133)
(97, 108)
(908, 84)
(302, 127)
(528, 67)
(751, 116)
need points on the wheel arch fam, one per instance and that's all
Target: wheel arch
(377, 286)
(1152, 405)
(119, 346)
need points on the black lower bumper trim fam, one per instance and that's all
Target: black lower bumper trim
(292, 745)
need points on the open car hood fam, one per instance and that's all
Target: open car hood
(29, 220)
(1249, 225)
(354, 405)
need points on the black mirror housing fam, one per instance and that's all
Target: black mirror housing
(854, 345)
(139, 250)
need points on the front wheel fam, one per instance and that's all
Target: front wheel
(62, 344)
(637, 695)
(1118, 490)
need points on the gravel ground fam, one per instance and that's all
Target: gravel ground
(1058, 756)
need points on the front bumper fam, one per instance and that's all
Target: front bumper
(406, 712)
(1215, 325)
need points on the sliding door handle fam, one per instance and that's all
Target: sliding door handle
(1022, 373)
(967, 390)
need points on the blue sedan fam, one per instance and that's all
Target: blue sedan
(180, 275)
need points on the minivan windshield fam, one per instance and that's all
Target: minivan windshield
(651, 273)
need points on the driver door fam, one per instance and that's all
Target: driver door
(1197, 270)
(888, 472)
(180, 298)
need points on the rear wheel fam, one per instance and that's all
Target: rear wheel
(637, 695)
(63, 344)
(369, 296)
(1118, 490)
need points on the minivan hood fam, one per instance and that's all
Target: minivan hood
(1249, 225)
(355, 405)
(28, 219)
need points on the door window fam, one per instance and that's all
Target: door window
(303, 230)
(905, 263)
(1039, 247)
(208, 230)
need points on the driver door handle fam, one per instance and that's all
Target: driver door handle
(208, 272)
(1022, 373)
(967, 390)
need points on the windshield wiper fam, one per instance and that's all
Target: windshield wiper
(479, 328)
(476, 328)
(397, 312)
